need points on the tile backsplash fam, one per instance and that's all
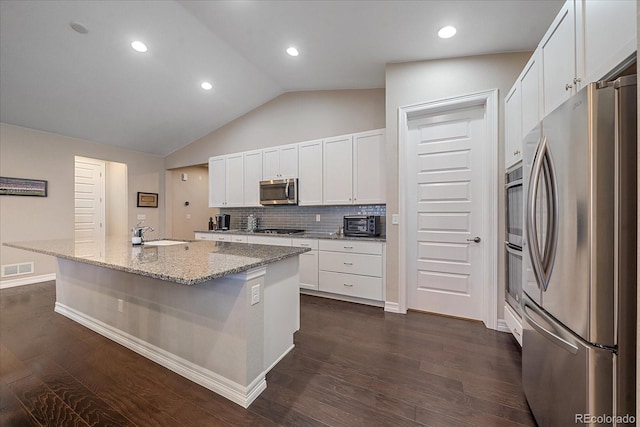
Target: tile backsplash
(302, 217)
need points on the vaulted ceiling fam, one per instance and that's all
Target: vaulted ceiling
(94, 86)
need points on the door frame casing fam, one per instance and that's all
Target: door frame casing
(488, 99)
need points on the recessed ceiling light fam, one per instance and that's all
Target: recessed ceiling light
(78, 27)
(293, 51)
(447, 32)
(138, 46)
(206, 86)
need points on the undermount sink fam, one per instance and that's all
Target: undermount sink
(164, 242)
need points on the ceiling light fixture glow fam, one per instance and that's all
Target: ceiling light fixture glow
(138, 46)
(206, 86)
(447, 32)
(293, 51)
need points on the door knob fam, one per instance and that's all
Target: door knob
(475, 239)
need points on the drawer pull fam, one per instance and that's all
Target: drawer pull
(348, 263)
(303, 244)
(348, 285)
(348, 247)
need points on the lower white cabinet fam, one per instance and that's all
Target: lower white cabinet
(341, 267)
(308, 263)
(352, 268)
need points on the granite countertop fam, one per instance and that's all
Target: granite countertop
(305, 235)
(187, 263)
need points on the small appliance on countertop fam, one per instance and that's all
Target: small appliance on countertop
(223, 221)
(362, 225)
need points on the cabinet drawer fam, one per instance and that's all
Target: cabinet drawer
(353, 246)
(221, 237)
(269, 240)
(368, 265)
(305, 243)
(239, 239)
(352, 285)
(204, 236)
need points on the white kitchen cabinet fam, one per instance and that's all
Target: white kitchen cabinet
(235, 180)
(204, 236)
(338, 170)
(368, 167)
(353, 169)
(226, 179)
(310, 173)
(513, 126)
(530, 89)
(558, 51)
(269, 240)
(217, 182)
(352, 268)
(609, 35)
(280, 162)
(588, 41)
(308, 263)
(252, 177)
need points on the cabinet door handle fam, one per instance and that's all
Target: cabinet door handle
(347, 263)
(568, 86)
(348, 285)
(303, 244)
(576, 80)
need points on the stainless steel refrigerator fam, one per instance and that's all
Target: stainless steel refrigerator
(579, 293)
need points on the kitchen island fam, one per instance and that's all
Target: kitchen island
(219, 314)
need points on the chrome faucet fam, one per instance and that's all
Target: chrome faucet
(139, 230)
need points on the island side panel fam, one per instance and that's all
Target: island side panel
(212, 325)
(281, 309)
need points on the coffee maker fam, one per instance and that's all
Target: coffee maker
(223, 221)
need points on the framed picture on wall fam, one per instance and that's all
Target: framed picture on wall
(147, 200)
(22, 187)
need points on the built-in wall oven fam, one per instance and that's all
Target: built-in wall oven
(514, 219)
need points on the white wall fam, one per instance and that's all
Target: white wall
(418, 82)
(289, 118)
(28, 153)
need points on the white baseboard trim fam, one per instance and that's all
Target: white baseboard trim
(393, 307)
(27, 280)
(233, 391)
(502, 326)
(278, 360)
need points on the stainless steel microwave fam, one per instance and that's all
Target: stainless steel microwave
(362, 225)
(279, 192)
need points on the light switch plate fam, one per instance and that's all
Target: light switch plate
(395, 219)
(142, 216)
(317, 217)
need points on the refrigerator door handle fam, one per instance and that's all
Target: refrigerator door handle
(552, 231)
(532, 236)
(551, 336)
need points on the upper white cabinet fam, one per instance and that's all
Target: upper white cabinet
(513, 126)
(368, 167)
(310, 173)
(558, 50)
(530, 89)
(252, 177)
(338, 170)
(609, 35)
(354, 169)
(217, 182)
(226, 181)
(587, 40)
(280, 162)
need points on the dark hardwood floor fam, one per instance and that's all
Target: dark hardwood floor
(353, 365)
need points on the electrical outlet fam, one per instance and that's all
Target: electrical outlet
(120, 305)
(318, 218)
(395, 219)
(255, 294)
(142, 216)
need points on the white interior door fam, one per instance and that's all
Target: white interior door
(89, 203)
(445, 157)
